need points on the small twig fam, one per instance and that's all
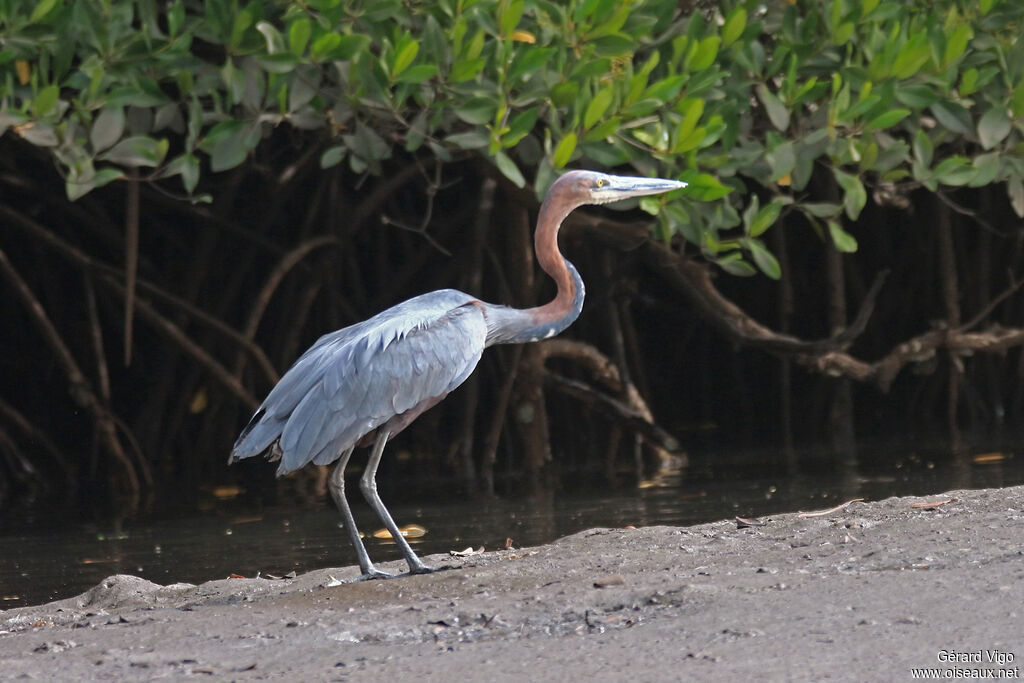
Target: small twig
(131, 261)
(964, 211)
(932, 504)
(626, 414)
(826, 513)
(40, 439)
(432, 188)
(991, 306)
(182, 340)
(82, 259)
(284, 266)
(80, 388)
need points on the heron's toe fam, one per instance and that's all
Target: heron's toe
(374, 574)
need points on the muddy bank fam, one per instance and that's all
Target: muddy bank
(863, 593)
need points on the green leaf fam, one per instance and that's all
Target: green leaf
(138, 150)
(275, 43)
(764, 219)
(176, 18)
(298, 35)
(1015, 190)
(229, 142)
(190, 172)
(602, 131)
(106, 128)
(614, 45)
(854, 197)
(185, 165)
(405, 57)
(782, 160)
(987, 167)
(338, 48)
(842, 240)
(41, 10)
(691, 141)
(843, 32)
(107, 175)
(993, 127)
(45, 100)
(735, 265)
(332, 156)
(968, 82)
(821, 209)
(531, 60)
(773, 106)
(735, 23)
(509, 169)
(888, 119)
(916, 96)
(564, 150)
(473, 139)
(957, 43)
(764, 259)
(923, 148)
(953, 116)
(467, 69)
(563, 94)
(477, 111)
(703, 187)
(419, 73)
(597, 107)
(1017, 102)
(510, 16)
(911, 57)
(860, 107)
(520, 127)
(279, 63)
(707, 50)
(81, 179)
(955, 171)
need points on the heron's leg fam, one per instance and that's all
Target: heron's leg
(336, 484)
(368, 485)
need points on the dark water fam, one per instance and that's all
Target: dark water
(46, 555)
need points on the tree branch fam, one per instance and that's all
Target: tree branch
(827, 356)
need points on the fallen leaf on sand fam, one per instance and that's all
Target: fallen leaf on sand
(610, 580)
(467, 552)
(826, 513)
(932, 504)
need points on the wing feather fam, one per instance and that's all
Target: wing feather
(352, 381)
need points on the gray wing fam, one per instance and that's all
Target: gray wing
(354, 380)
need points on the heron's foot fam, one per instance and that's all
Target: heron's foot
(373, 573)
(421, 568)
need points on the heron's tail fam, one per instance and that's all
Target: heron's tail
(259, 435)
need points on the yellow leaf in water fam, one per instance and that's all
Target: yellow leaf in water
(408, 531)
(24, 71)
(199, 402)
(223, 492)
(988, 458)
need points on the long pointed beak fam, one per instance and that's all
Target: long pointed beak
(624, 187)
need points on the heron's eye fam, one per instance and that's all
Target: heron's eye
(600, 182)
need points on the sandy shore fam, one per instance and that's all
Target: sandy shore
(869, 592)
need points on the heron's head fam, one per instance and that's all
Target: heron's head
(591, 187)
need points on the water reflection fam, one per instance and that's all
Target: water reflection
(44, 556)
